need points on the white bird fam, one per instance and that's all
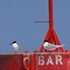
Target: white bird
(50, 46)
(15, 46)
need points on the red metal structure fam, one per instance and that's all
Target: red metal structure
(58, 59)
(51, 35)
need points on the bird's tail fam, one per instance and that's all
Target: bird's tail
(60, 45)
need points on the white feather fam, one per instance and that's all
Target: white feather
(15, 47)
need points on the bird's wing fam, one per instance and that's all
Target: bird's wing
(52, 46)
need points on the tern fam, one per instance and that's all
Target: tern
(49, 46)
(15, 46)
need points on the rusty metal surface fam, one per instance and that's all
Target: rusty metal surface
(11, 62)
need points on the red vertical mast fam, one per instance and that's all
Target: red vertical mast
(51, 35)
(50, 13)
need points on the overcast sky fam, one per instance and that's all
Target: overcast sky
(17, 23)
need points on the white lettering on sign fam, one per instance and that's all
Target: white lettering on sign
(59, 59)
(41, 60)
(49, 60)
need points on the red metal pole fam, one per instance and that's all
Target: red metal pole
(50, 13)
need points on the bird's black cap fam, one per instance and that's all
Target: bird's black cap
(13, 42)
(46, 41)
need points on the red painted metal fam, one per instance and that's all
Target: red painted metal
(51, 36)
(35, 61)
(50, 2)
(11, 62)
(42, 59)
